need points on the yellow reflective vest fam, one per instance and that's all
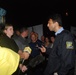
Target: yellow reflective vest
(9, 61)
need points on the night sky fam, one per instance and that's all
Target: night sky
(35, 12)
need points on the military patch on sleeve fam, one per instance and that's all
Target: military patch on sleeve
(69, 45)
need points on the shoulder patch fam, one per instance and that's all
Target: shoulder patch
(69, 45)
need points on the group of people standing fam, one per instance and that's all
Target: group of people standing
(61, 52)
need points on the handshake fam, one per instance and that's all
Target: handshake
(30, 63)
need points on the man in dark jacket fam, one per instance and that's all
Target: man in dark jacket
(62, 55)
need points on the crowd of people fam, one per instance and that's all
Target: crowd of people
(50, 55)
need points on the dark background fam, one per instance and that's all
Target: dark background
(34, 12)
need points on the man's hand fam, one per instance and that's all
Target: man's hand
(43, 49)
(23, 68)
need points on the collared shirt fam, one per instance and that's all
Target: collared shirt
(59, 31)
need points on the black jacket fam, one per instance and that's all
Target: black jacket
(7, 42)
(62, 55)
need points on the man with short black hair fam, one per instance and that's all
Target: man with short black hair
(62, 55)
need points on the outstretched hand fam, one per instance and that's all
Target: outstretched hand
(43, 49)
